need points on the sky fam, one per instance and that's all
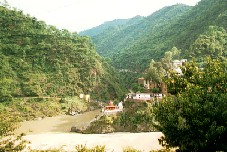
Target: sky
(79, 15)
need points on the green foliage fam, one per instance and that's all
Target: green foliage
(213, 43)
(8, 124)
(157, 71)
(111, 85)
(197, 21)
(136, 117)
(137, 87)
(132, 44)
(195, 118)
(31, 108)
(155, 90)
(74, 103)
(102, 125)
(110, 36)
(39, 60)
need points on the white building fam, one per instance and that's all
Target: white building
(142, 96)
(176, 64)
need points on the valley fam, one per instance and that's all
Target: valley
(168, 71)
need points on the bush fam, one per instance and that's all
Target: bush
(8, 142)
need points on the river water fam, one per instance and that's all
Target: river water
(54, 132)
(61, 123)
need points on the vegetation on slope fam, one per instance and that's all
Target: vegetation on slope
(197, 21)
(40, 60)
(127, 45)
(136, 117)
(133, 46)
(110, 37)
(39, 66)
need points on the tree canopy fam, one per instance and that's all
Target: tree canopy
(195, 119)
(40, 60)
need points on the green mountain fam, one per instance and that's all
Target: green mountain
(132, 47)
(197, 21)
(40, 60)
(114, 41)
(110, 36)
(108, 26)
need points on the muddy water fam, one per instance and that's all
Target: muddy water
(61, 123)
(54, 132)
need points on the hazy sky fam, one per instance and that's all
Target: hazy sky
(78, 15)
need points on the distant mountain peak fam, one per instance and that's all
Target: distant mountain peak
(108, 24)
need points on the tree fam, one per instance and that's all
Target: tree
(212, 43)
(153, 73)
(39, 60)
(158, 70)
(195, 119)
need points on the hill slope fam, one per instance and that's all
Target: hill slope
(134, 46)
(109, 25)
(115, 40)
(115, 35)
(40, 60)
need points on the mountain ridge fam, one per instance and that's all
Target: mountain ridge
(111, 42)
(134, 46)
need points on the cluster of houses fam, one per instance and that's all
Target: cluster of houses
(149, 85)
(147, 96)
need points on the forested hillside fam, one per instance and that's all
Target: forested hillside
(117, 42)
(40, 60)
(112, 36)
(197, 21)
(177, 25)
(111, 25)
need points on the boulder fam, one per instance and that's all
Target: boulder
(76, 129)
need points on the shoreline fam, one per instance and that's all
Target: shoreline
(54, 133)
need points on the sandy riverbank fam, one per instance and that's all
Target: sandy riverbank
(114, 142)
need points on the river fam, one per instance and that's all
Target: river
(54, 132)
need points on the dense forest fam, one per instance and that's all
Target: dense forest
(133, 44)
(39, 60)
